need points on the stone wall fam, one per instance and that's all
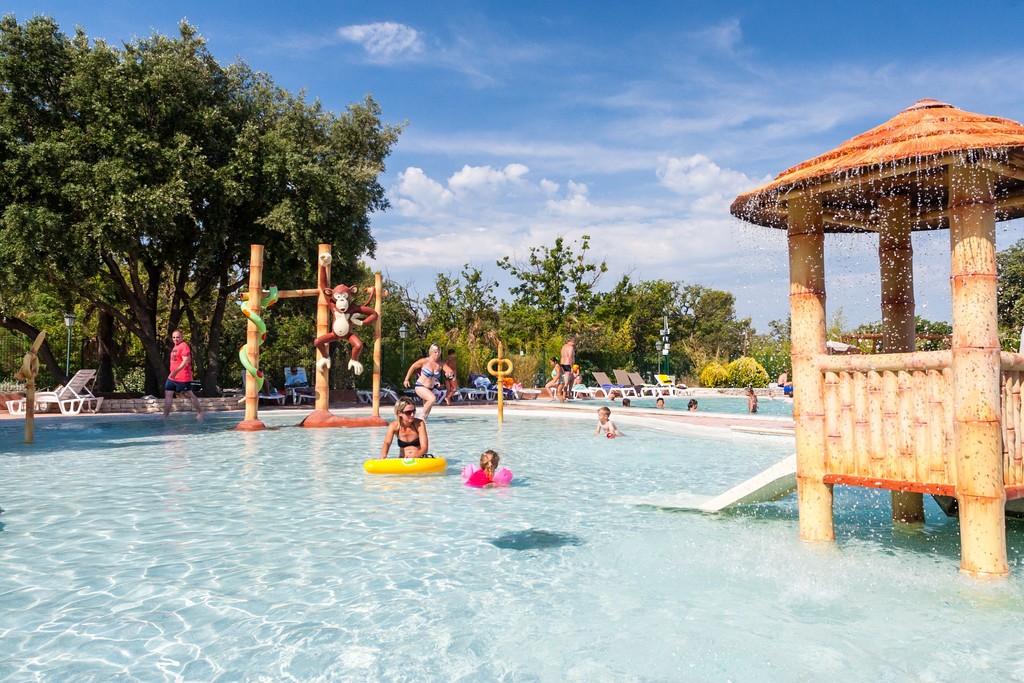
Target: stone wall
(156, 405)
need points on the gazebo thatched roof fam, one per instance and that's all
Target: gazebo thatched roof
(908, 155)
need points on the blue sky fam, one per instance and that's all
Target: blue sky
(634, 123)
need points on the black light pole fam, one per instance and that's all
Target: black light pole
(657, 347)
(403, 332)
(665, 346)
(69, 322)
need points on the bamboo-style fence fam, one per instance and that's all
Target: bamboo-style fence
(888, 421)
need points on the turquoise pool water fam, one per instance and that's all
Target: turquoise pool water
(131, 550)
(733, 405)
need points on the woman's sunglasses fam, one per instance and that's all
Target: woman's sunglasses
(409, 412)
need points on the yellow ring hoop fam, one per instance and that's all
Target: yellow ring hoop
(507, 370)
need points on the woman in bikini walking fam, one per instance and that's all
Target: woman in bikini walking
(429, 385)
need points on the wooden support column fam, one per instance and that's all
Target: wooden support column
(807, 310)
(896, 265)
(252, 400)
(323, 324)
(977, 435)
(378, 283)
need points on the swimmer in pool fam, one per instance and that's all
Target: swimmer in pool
(605, 424)
(410, 430)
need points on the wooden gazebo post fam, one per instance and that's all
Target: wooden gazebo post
(977, 433)
(896, 267)
(807, 308)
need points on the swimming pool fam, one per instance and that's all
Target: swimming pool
(731, 405)
(130, 549)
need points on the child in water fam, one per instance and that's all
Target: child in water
(488, 474)
(605, 424)
(692, 405)
(751, 400)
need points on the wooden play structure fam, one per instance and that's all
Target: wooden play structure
(321, 415)
(948, 423)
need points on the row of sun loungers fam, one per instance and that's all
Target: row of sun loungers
(628, 384)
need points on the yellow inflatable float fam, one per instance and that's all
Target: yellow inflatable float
(405, 465)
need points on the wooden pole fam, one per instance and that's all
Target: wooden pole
(378, 283)
(252, 399)
(807, 310)
(977, 435)
(896, 261)
(28, 371)
(323, 322)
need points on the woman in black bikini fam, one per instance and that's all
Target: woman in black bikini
(410, 430)
(429, 385)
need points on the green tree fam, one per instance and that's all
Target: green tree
(147, 171)
(558, 282)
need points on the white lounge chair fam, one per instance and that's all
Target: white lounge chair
(608, 386)
(647, 389)
(274, 396)
(296, 386)
(70, 398)
(625, 383)
(467, 394)
(386, 394)
(669, 382)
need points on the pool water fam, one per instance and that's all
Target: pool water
(134, 550)
(733, 405)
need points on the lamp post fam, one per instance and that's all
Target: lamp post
(657, 347)
(69, 322)
(403, 332)
(665, 346)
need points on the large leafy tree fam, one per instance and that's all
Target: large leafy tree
(558, 281)
(146, 171)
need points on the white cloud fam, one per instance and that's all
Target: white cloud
(383, 40)
(548, 187)
(417, 193)
(698, 176)
(484, 178)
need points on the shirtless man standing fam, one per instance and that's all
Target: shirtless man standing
(567, 359)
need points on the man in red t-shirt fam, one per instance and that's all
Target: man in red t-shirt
(179, 379)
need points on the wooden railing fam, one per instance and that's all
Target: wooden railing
(889, 421)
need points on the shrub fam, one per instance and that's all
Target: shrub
(746, 371)
(714, 375)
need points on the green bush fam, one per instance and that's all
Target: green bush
(714, 375)
(745, 372)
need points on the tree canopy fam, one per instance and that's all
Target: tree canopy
(134, 179)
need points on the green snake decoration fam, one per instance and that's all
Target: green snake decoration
(243, 357)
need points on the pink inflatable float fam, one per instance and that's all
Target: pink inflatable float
(472, 475)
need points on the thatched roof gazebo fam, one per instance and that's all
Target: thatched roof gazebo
(940, 422)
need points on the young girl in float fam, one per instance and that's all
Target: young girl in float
(410, 430)
(605, 424)
(488, 473)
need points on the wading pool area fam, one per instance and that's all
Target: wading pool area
(132, 549)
